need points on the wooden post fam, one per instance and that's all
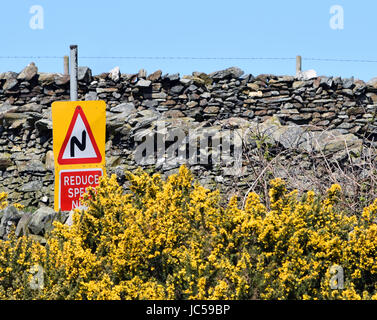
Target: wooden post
(66, 65)
(298, 65)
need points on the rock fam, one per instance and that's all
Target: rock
(62, 79)
(28, 73)
(69, 221)
(326, 82)
(91, 96)
(43, 124)
(8, 75)
(355, 111)
(49, 162)
(171, 77)
(253, 94)
(298, 84)
(38, 238)
(297, 137)
(372, 82)
(41, 221)
(32, 166)
(253, 86)
(150, 103)
(232, 72)
(156, 95)
(155, 75)
(186, 81)
(174, 114)
(5, 161)
(346, 125)
(202, 78)
(142, 74)
(10, 117)
(331, 141)
(177, 89)
(125, 108)
(22, 225)
(9, 217)
(10, 84)
(84, 74)
(46, 78)
(32, 186)
(348, 83)
(191, 104)
(106, 90)
(114, 74)
(211, 110)
(30, 107)
(143, 83)
(307, 75)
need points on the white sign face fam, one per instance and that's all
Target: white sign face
(79, 145)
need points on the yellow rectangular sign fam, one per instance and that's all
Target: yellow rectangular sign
(79, 133)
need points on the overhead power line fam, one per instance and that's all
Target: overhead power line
(340, 60)
(191, 58)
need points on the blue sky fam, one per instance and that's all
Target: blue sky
(205, 28)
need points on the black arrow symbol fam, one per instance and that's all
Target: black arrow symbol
(81, 145)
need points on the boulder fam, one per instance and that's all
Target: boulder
(28, 73)
(125, 108)
(32, 166)
(62, 79)
(9, 217)
(306, 75)
(41, 220)
(171, 77)
(22, 225)
(69, 221)
(10, 84)
(142, 83)
(114, 74)
(8, 75)
(32, 186)
(46, 78)
(300, 137)
(91, 96)
(5, 160)
(232, 72)
(84, 74)
(49, 161)
(155, 75)
(142, 74)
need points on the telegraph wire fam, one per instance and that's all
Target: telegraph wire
(191, 58)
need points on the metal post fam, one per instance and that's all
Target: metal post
(73, 73)
(298, 65)
(66, 65)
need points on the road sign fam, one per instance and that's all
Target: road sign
(73, 184)
(79, 132)
(79, 145)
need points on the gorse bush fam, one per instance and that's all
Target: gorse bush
(173, 240)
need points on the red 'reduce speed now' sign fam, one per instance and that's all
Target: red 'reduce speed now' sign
(73, 184)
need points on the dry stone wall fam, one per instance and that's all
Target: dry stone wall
(324, 112)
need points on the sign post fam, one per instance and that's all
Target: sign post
(79, 149)
(73, 73)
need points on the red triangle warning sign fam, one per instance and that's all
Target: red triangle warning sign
(79, 146)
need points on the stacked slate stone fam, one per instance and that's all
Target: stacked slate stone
(344, 108)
